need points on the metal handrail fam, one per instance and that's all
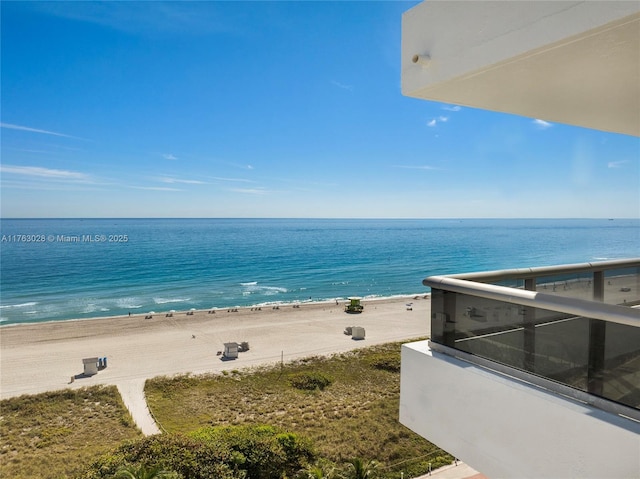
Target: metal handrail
(578, 307)
(541, 271)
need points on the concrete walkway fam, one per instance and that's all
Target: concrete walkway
(453, 471)
(134, 399)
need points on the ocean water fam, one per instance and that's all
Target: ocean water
(58, 269)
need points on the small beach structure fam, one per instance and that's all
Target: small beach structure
(90, 366)
(354, 306)
(357, 332)
(230, 351)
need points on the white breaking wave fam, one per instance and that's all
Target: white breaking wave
(170, 300)
(21, 305)
(89, 308)
(254, 288)
(273, 289)
(128, 303)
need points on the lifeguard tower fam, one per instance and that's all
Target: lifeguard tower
(354, 306)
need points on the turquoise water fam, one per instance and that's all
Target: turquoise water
(57, 269)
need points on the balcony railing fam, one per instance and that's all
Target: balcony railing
(574, 329)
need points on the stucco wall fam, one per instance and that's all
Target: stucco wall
(505, 428)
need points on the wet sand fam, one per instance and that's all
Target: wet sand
(35, 358)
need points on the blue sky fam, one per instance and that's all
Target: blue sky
(269, 109)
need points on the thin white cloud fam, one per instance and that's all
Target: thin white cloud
(40, 172)
(452, 108)
(239, 180)
(342, 85)
(434, 121)
(617, 164)
(50, 186)
(169, 156)
(193, 18)
(36, 130)
(167, 179)
(250, 191)
(25, 150)
(541, 124)
(155, 188)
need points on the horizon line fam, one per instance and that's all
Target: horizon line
(314, 218)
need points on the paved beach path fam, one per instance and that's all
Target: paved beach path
(134, 399)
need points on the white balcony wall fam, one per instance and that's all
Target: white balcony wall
(506, 428)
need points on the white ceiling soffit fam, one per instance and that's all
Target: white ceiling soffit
(568, 62)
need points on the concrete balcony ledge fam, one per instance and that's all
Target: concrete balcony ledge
(505, 427)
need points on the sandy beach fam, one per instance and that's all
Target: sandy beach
(44, 357)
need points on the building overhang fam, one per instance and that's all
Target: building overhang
(573, 62)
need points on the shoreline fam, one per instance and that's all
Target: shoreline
(43, 356)
(267, 305)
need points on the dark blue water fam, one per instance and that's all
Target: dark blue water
(71, 268)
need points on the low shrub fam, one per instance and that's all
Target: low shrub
(186, 456)
(310, 381)
(262, 452)
(386, 361)
(224, 452)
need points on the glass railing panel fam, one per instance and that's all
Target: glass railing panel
(621, 375)
(622, 286)
(577, 285)
(593, 356)
(562, 351)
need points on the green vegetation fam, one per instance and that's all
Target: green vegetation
(142, 472)
(356, 416)
(385, 360)
(263, 452)
(310, 381)
(226, 452)
(359, 469)
(316, 418)
(172, 453)
(56, 434)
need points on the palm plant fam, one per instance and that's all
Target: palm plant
(358, 468)
(142, 472)
(320, 470)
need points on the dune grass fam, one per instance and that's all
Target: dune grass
(355, 415)
(352, 412)
(56, 434)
